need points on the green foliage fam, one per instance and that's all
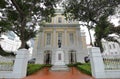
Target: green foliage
(71, 65)
(85, 68)
(32, 68)
(102, 30)
(78, 63)
(89, 10)
(22, 16)
(47, 65)
(75, 64)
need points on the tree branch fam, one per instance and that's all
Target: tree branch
(17, 7)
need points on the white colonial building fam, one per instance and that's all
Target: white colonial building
(110, 48)
(60, 41)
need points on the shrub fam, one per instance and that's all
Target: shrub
(32, 68)
(74, 64)
(78, 63)
(71, 65)
(85, 68)
(47, 65)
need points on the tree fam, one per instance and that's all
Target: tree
(102, 30)
(89, 10)
(22, 16)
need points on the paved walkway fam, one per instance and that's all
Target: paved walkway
(46, 74)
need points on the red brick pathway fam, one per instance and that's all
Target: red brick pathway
(46, 74)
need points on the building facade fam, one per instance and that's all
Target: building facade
(60, 33)
(111, 48)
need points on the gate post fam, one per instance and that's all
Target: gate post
(21, 61)
(96, 60)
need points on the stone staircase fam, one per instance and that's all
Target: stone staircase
(60, 68)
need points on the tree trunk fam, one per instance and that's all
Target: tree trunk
(99, 44)
(23, 42)
(90, 36)
(22, 33)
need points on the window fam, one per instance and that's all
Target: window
(48, 20)
(59, 56)
(48, 39)
(60, 37)
(110, 46)
(59, 19)
(114, 45)
(104, 47)
(69, 21)
(115, 52)
(71, 35)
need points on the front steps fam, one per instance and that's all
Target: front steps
(60, 68)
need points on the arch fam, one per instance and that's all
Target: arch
(47, 56)
(72, 56)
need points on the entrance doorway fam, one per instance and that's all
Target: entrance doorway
(47, 57)
(72, 56)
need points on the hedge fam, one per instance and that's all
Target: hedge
(32, 68)
(85, 68)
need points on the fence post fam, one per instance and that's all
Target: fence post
(96, 61)
(20, 65)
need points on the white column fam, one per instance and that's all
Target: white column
(39, 56)
(43, 40)
(36, 45)
(97, 64)
(20, 65)
(54, 37)
(65, 35)
(77, 37)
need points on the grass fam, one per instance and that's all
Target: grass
(32, 68)
(85, 68)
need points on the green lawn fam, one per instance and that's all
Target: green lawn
(85, 68)
(32, 68)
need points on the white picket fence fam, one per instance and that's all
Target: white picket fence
(105, 67)
(14, 68)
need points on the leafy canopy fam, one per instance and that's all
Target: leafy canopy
(89, 10)
(22, 16)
